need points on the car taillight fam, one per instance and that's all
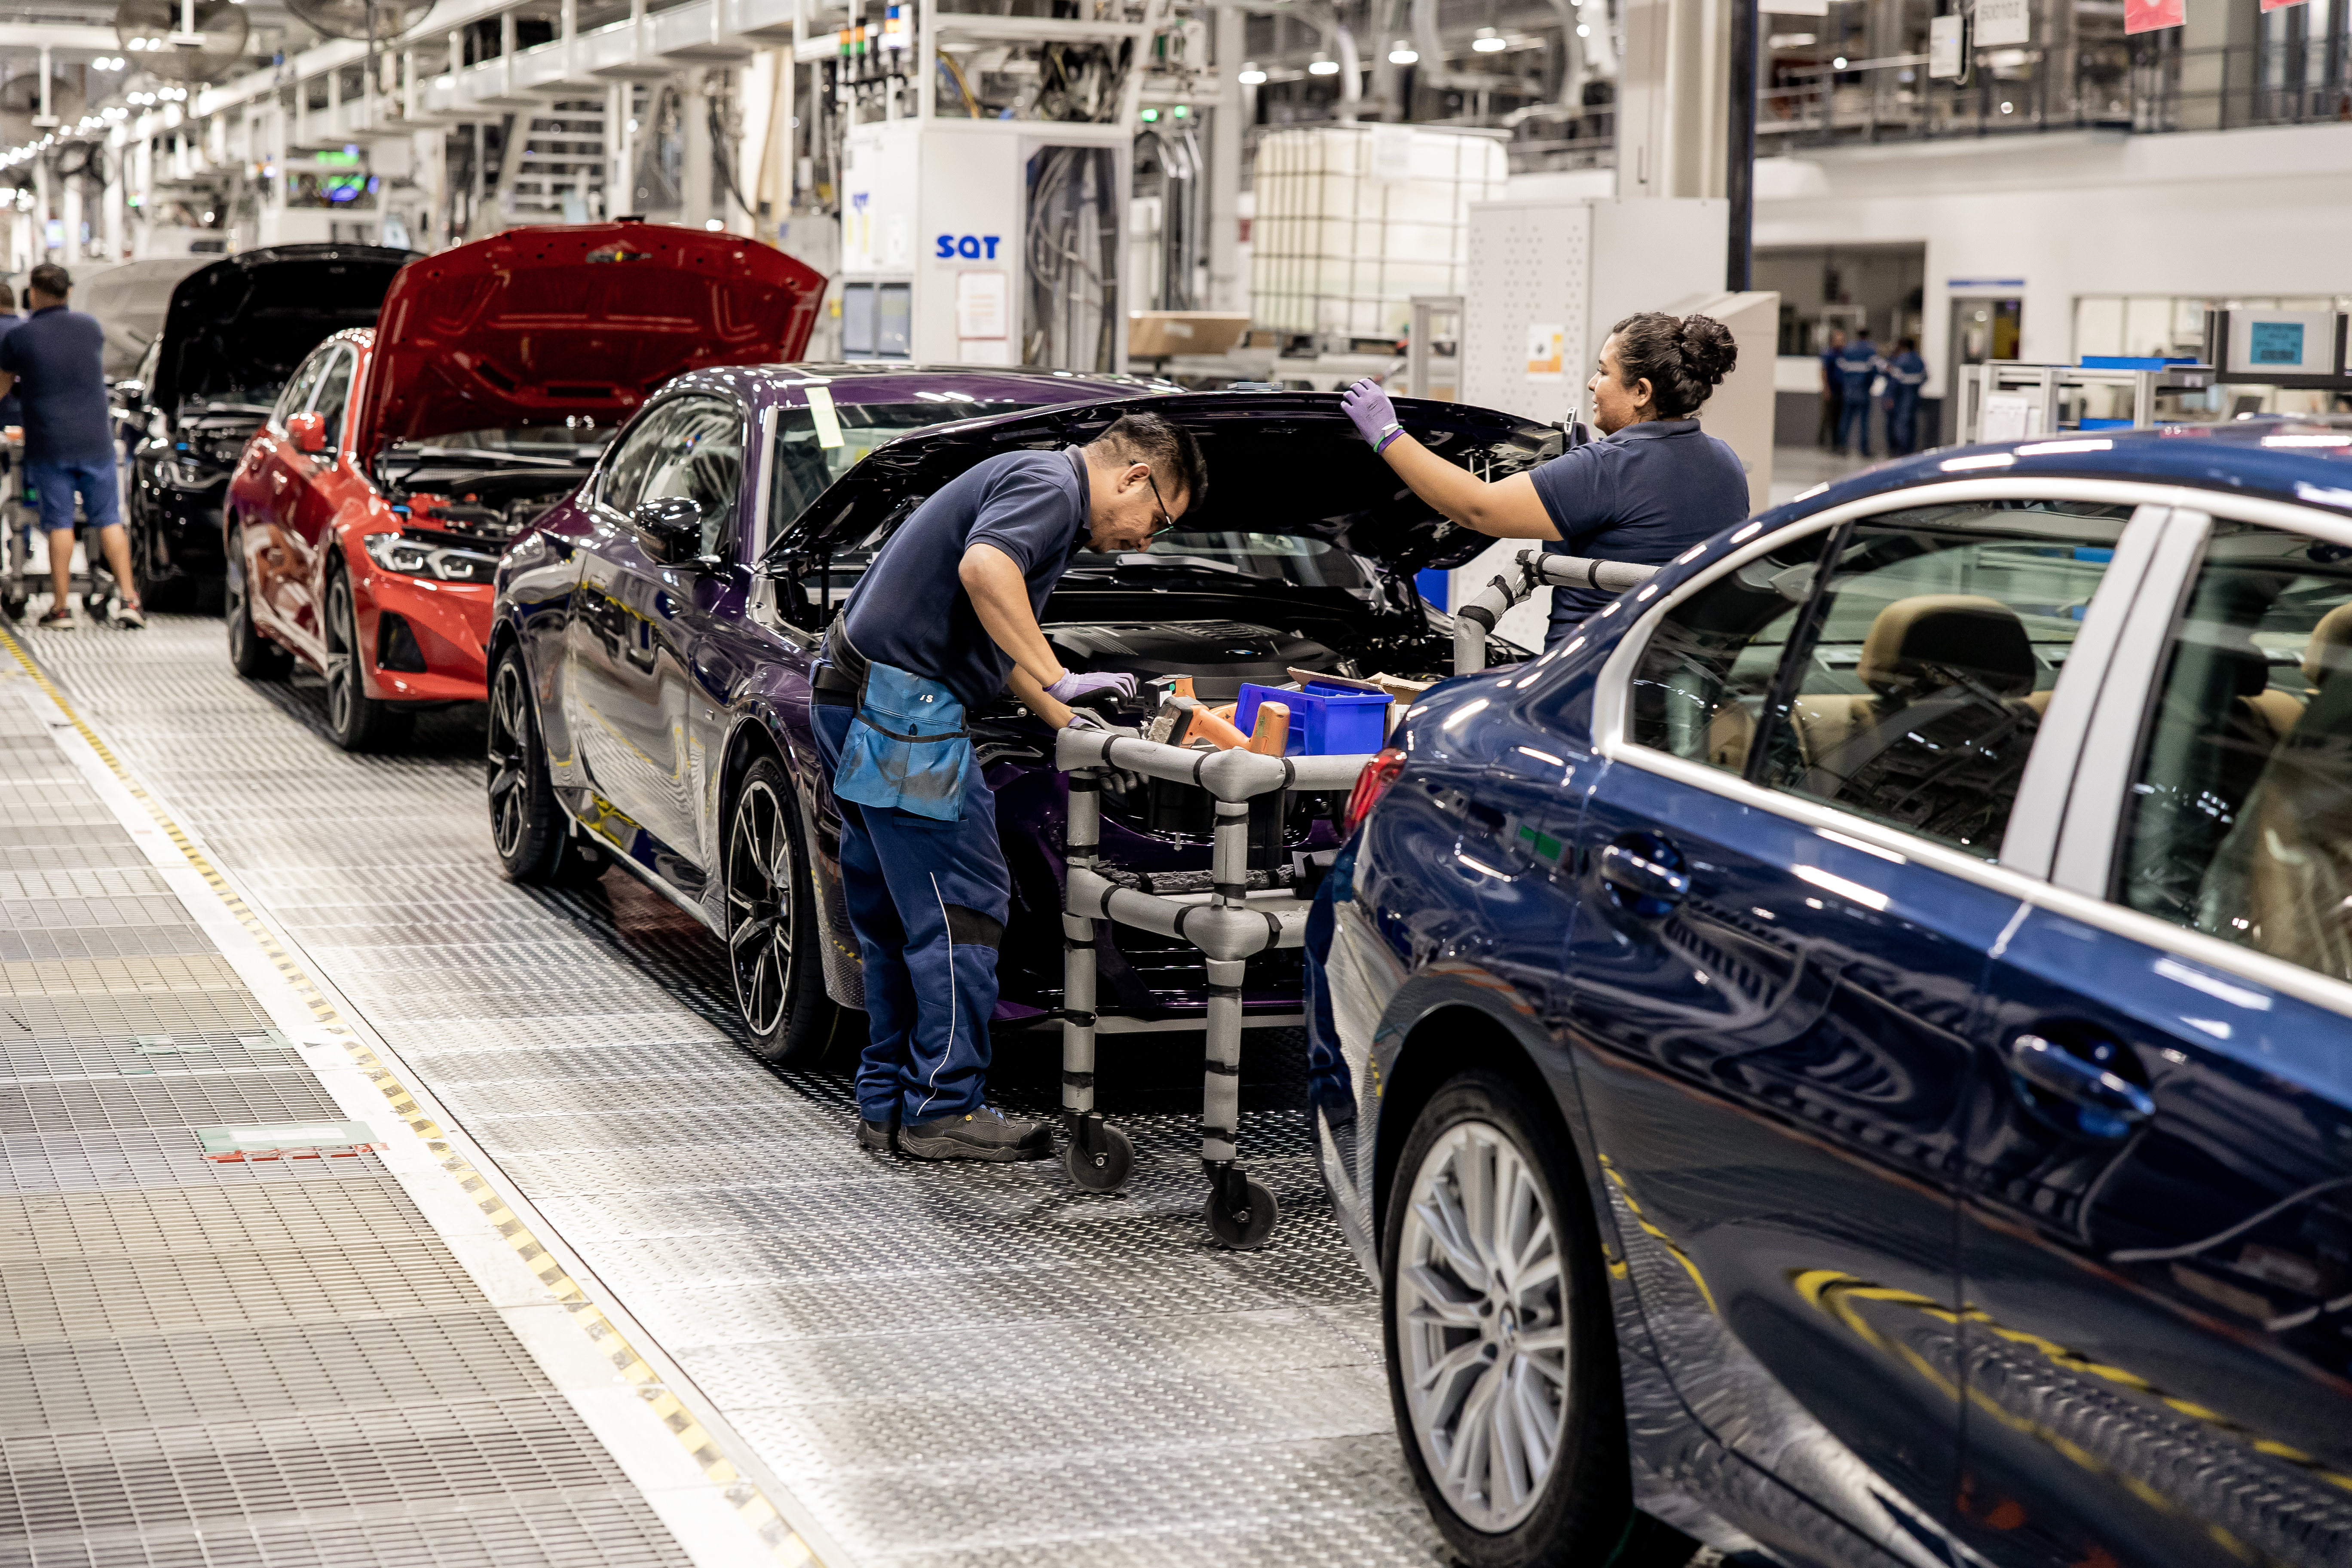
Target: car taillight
(1370, 785)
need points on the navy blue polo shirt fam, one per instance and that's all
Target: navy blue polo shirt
(58, 358)
(1645, 494)
(910, 609)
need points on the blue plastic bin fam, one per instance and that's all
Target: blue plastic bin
(1325, 720)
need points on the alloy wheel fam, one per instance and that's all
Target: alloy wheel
(1480, 1325)
(759, 903)
(342, 668)
(510, 761)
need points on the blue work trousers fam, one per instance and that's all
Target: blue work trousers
(926, 901)
(1853, 425)
(1903, 421)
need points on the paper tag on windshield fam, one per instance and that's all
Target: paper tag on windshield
(828, 424)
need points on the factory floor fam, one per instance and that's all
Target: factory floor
(546, 1268)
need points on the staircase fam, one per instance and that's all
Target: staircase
(557, 173)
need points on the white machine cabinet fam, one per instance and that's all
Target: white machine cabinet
(938, 220)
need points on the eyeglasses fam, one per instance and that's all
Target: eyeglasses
(1166, 522)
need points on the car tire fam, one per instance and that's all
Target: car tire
(771, 921)
(528, 828)
(355, 721)
(1538, 1356)
(252, 655)
(165, 594)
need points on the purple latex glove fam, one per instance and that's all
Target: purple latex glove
(1373, 414)
(1075, 684)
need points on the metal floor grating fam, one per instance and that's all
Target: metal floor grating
(247, 1363)
(1143, 1397)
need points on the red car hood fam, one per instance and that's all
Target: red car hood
(536, 323)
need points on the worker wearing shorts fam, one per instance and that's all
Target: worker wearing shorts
(53, 362)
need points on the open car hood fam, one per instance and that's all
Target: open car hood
(242, 325)
(536, 324)
(1279, 462)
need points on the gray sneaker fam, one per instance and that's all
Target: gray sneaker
(986, 1133)
(882, 1137)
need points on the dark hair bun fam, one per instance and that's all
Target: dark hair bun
(1709, 351)
(1683, 358)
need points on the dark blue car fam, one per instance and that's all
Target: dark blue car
(650, 651)
(1852, 1054)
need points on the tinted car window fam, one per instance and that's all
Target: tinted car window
(697, 453)
(2240, 820)
(805, 465)
(625, 477)
(335, 392)
(1909, 684)
(297, 395)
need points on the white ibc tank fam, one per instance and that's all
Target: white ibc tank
(1353, 220)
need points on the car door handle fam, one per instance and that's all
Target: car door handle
(1644, 873)
(2116, 1105)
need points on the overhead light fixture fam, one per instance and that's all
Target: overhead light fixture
(1251, 76)
(1403, 54)
(1838, 63)
(1489, 41)
(1583, 30)
(1789, 41)
(1322, 64)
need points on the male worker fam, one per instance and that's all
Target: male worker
(54, 362)
(1906, 373)
(1833, 396)
(953, 599)
(1858, 365)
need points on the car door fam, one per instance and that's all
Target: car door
(267, 491)
(309, 505)
(1786, 894)
(2157, 1247)
(640, 620)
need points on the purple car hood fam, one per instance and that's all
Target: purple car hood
(1279, 462)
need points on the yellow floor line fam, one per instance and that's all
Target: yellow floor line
(742, 1492)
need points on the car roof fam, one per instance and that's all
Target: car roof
(2302, 458)
(870, 382)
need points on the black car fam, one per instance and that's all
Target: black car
(232, 334)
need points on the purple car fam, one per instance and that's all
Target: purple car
(650, 652)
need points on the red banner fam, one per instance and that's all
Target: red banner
(2147, 15)
(2279, 5)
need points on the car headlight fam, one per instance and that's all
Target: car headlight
(415, 558)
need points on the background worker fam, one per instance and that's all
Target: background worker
(953, 598)
(1906, 373)
(1654, 485)
(1858, 365)
(54, 362)
(1832, 392)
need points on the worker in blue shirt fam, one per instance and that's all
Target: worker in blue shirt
(1906, 373)
(54, 362)
(1832, 398)
(1858, 365)
(1652, 486)
(944, 619)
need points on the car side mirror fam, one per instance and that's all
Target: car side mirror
(670, 526)
(308, 431)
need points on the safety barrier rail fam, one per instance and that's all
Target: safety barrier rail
(1228, 924)
(1474, 622)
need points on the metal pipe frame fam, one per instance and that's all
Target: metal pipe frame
(1222, 924)
(1475, 621)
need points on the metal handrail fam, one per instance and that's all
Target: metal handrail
(1475, 621)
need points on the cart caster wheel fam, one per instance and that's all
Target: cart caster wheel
(1105, 1172)
(1247, 1226)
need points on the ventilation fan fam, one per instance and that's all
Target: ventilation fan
(384, 19)
(20, 108)
(182, 41)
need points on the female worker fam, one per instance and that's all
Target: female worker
(1654, 485)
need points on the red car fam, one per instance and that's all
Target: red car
(367, 515)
